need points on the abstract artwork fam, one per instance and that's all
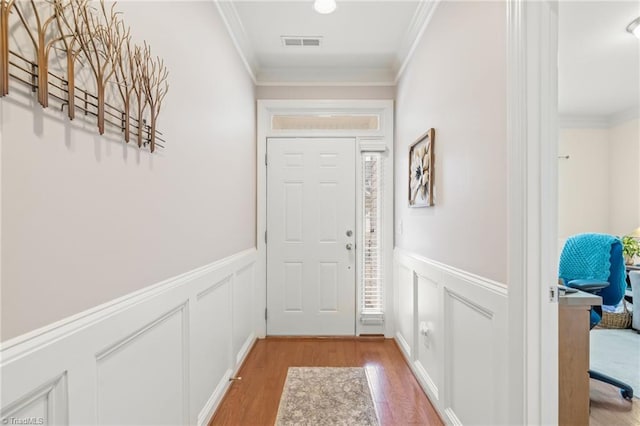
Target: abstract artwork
(421, 171)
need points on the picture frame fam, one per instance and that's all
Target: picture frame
(421, 170)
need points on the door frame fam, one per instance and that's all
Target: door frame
(532, 132)
(383, 136)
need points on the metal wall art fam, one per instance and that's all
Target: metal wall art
(421, 171)
(96, 39)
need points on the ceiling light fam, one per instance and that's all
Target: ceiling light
(324, 6)
(634, 27)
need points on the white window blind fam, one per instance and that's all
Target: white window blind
(372, 297)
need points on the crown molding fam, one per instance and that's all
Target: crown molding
(568, 121)
(235, 28)
(338, 76)
(624, 116)
(419, 23)
(334, 76)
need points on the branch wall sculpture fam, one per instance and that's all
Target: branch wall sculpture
(98, 38)
(5, 10)
(125, 76)
(138, 89)
(154, 80)
(39, 34)
(72, 48)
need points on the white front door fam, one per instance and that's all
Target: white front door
(311, 236)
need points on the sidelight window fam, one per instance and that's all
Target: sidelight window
(372, 309)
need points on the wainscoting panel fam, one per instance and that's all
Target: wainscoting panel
(405, 311)
(158, 379)
(47, 402)
(468, 324)
(162, 355)
(212, 351)
(243, 308)
(428, 348)
(459, 323)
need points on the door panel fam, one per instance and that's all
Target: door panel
(310, 207)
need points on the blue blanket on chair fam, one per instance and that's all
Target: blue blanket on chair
(595, 257)
(587, 256)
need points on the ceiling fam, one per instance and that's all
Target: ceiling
(598, 61)
(369, 42)
(363, 42)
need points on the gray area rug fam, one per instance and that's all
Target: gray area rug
(326, 396)
(616, 353)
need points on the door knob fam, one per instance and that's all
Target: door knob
(349, 246)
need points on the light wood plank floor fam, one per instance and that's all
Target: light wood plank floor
(608, 408)
(254, 400)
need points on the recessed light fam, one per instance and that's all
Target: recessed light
(324, 6)
(634, 27)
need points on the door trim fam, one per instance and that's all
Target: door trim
(532, 43)
(384, 134)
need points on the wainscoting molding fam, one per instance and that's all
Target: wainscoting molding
(452, 328)
(162, 355)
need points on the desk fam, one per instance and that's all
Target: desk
(573, 357)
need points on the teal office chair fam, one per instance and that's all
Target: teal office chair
(594, 263)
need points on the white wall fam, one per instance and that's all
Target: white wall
(325, 92)
(598, 184)
(624, 157)
(451, 259)
(583, 181)
(86, 219)
(162, 355)
(456, 84)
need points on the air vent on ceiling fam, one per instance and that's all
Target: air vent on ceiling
(301, 41)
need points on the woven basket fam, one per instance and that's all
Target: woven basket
(618, 319)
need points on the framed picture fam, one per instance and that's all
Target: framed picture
(421, 171)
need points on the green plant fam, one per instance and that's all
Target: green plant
(630, 247)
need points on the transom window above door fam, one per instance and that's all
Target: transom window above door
(325, 122)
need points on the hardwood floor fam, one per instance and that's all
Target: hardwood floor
(254, 400)
(609, 408)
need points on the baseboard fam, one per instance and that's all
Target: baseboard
(163, 354)
(451, 416)
(452, 330)
(223, 387)
(404, 347)
(425, 380)
(242, 354)
(215, 399)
